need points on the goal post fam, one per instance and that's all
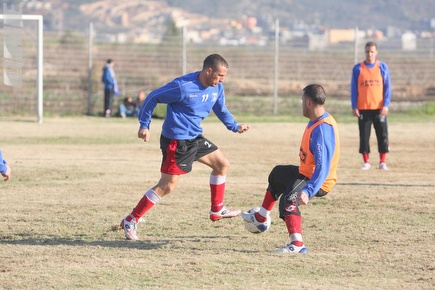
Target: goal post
(12, 54)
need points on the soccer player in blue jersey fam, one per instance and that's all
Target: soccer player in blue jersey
(189, 98)
(5, 170)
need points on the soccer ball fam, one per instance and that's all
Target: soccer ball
(252, 225)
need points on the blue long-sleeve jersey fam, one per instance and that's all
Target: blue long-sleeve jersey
(3, 163)
(107, 79)
(188, 103)
(386, 82)
(322, 145)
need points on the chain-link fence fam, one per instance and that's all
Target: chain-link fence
(250, 85)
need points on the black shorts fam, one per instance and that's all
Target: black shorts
(179, 155)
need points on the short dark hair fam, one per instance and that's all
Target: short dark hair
(109, 61)
(214, 61)
(372, 43)
(316, 93)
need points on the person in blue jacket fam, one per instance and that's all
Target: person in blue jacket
(5, 170)
(110, 86)
(190, 99)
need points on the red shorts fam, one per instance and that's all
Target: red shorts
(179, 155)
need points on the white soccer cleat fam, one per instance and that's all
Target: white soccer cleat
(251, 223)
(292, 249)
(366, 166)
(130, 229)
(383, 166)
(224, 213)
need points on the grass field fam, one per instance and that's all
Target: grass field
(74, 179)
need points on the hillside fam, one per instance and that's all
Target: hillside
(110, 14)
(404, 14)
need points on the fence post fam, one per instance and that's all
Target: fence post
(275, 77)
(184, 40)
(355, 55)
(91, 35)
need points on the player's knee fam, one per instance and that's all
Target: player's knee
(223, 166)
(226, 164)
(289, 209)
(166, 188)
(275, 172)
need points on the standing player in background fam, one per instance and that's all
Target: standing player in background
(5, 170)
(315, 176)
(370, 97)
(110, 87)
(190, 99)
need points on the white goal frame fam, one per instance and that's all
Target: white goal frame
(39, 20)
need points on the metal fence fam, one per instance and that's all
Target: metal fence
(256, 72)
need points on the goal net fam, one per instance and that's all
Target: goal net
(21, 65)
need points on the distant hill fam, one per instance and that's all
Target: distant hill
(402, 14)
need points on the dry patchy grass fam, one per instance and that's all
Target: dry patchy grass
(74, 179)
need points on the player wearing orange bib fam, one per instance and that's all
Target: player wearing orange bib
(316, 174)
(370, 97)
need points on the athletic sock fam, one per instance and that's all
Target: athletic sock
(294, 228)
(366, 158)
(217, 191)
(383, 157)
(145, 204)
(266, 207)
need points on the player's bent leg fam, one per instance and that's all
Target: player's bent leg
(166, 184)
(217, 161)
(290, 214)
(220, 165)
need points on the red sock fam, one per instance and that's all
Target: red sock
(268, 201)
(144, 205)
(294, 228)
(382, 157)
(268, 204)
(366, 158)
(217, 191)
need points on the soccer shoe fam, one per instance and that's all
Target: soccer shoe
(250, 217)
(252, 224)
(366, 166)
(225, 212)
(292, 249)
(383, 166)
(130, 229)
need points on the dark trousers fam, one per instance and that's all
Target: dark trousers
(285, 182)
(108, 99)
(365, 121)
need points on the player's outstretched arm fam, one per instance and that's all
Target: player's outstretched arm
(144, 134)
(243, 128)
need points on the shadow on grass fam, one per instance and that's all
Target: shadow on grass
(53, 240)
(146, 243)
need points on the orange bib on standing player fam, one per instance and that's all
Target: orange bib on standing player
(370, 87)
